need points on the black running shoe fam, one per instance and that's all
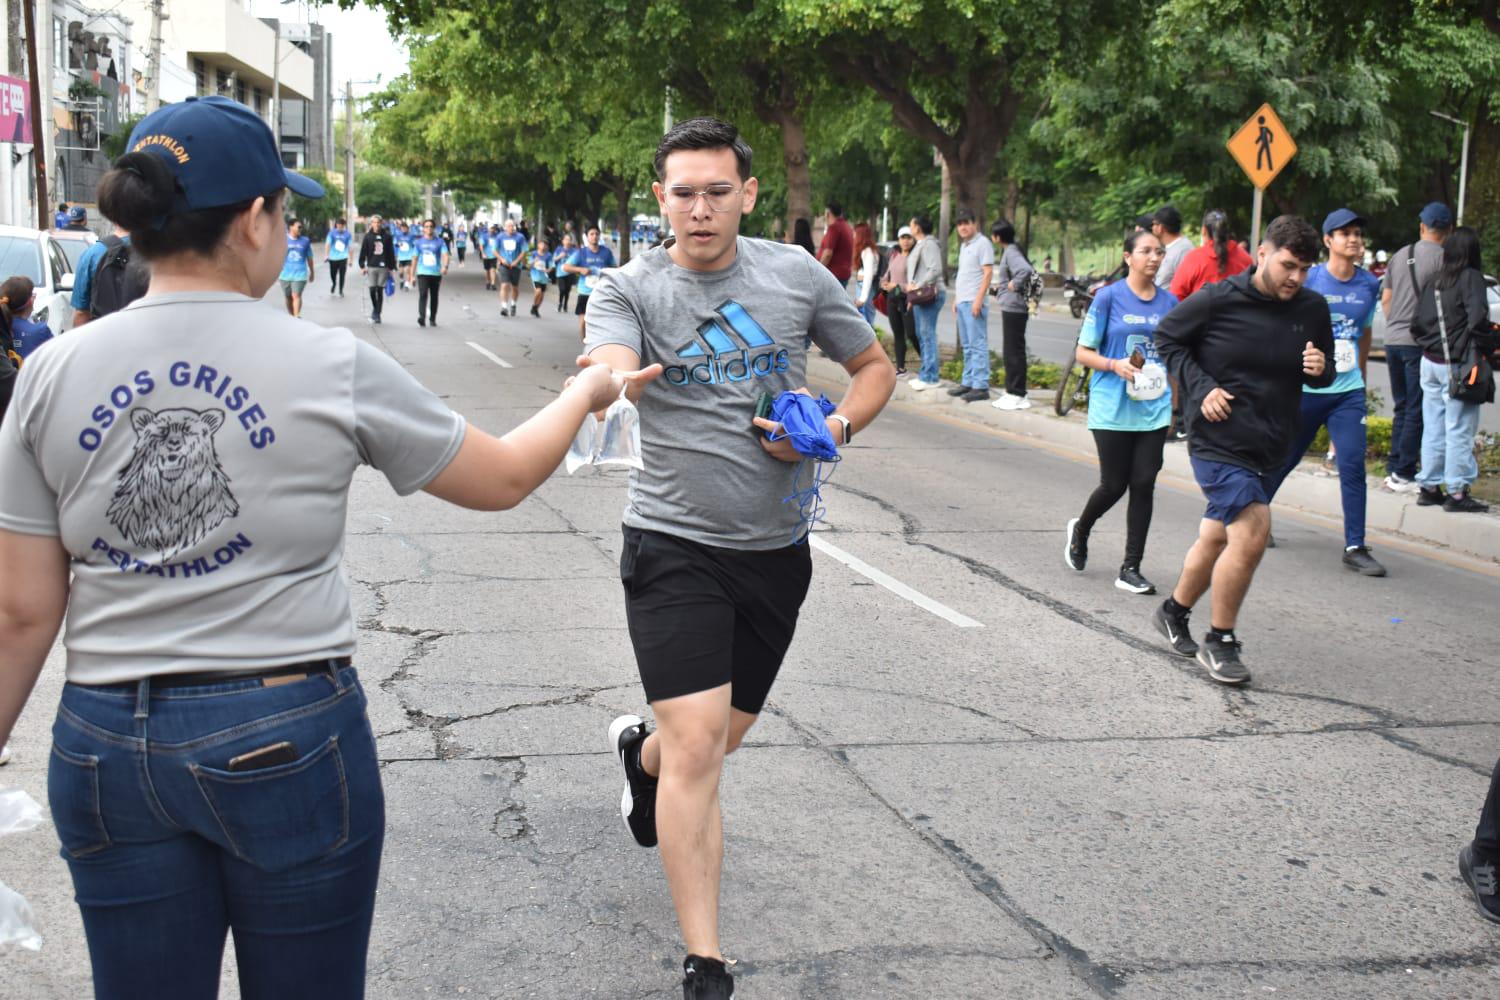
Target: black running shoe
(638, 801)
(706, 979)
(958, 390)
(1221, 656)
(1076, 549)
(975, 396)
(1464, 503)
(1482, 882)
(1430, 496)
(1175, 629)
(1360, 561)
(1131, 581)
(421, 321)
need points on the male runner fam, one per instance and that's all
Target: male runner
(405, 254)
(510, 253)
(1351, 293)
(336, 256)
(713, 583)
(377, 259)
(1241, 349)
(461, 241)
(431, 264)
(588, 262)
(297, 269)
(485, 239)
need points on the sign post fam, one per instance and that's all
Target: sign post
(1262, 147)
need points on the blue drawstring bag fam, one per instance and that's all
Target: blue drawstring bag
(804, 422)
(390, 285)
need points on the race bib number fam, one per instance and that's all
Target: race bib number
(1345, 356)
(340, 246)
(585, 284)
(429, 259)
(294, 256)
(1150, 383)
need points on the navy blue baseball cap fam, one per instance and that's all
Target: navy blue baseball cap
(1436, 216)
(220, 151)
(1339, 218)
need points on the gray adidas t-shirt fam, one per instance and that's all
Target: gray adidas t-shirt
(724, 337)
(193, 453)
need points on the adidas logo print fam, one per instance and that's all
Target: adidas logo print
(724, 360)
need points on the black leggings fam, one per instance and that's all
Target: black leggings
(1013, 352)
(461, 250)
(336, 271)
(903, 326)
(427, 285)
(1128, 460)
(1487, 834)
(564, 289)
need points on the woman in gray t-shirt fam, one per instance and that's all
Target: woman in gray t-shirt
(176, 476)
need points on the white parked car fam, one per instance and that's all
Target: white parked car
(1377, 326)
(37, 255)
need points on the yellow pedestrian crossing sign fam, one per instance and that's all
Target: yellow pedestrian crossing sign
(1262, 147)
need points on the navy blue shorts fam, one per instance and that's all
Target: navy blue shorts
(1228, 489)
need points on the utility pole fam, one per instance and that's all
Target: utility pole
(153, 58)
(276, 88)
(427, 200)
(39, 125)
(349, 151)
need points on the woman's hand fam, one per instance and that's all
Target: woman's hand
(1123, 368)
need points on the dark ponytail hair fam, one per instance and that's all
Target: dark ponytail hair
(1217, 224)
(15, 292)
(1460, 253)
(140, 195)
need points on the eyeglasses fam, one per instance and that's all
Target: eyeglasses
(718, 197)
(1149, 252)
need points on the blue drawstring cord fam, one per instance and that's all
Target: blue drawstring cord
(803, 420)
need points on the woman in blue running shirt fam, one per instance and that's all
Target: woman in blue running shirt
(430, 261)
(565, 281)
(336, 256)
(297, 270)
(541, 271)
(405, 256)
(1130, 406)
(461, 242)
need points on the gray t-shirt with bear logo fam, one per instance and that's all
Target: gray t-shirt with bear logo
(724, 337)
(193, 454)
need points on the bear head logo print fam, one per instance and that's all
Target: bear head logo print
(173, 491)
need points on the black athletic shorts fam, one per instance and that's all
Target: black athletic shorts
(582, 304)
(489, 263)
(701, 616)
(510, 275)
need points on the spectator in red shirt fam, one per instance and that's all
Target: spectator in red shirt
(1218, 258)
(837, 250)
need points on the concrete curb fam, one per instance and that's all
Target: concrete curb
(1475, 535)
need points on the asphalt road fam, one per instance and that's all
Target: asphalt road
(1047, 805)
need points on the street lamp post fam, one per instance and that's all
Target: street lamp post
(1463, 166)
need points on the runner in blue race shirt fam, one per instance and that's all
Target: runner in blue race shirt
(1130, 407)
(60, 220)
(588, 262)
(297, 270)
(485, 238)
(461, 242)
(1351, 293)
(405, 255)
(431, 264)
(565, 281)
(510, 249)
(336, 255)
(541, 274)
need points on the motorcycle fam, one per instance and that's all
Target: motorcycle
(1078, 295)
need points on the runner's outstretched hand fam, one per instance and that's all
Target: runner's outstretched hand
(605, 384)
(1312, 360)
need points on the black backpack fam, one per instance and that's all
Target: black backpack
(118, 280)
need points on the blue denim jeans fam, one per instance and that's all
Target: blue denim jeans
(1405, 367)
(1343, 413)
(868, 310)
(926, 322)
(169, 849)
(1448, 429)
(974, 335)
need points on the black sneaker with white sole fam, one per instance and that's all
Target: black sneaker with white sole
(1076, 549)
(1220, 655)
(1482, 881)
(638, 801)
(1360, 561)
(1131, 581)
(706, 979)
(1175, 629)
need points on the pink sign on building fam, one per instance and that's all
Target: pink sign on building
(15, 121)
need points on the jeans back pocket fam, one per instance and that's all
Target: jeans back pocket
(280, 817)
(73, 797)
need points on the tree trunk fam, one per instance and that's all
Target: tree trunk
(798, 176)
(971, 181)
(622, 218)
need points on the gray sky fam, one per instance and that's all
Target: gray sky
(362, 44)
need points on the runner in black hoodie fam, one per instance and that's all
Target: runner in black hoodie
(1241, 349)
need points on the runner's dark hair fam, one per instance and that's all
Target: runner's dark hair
(1460, 253)
(15, 292)
(703, 133)
(1136, 237)
(1216, 223)
(1169, 218)
(139, 194)
(1003, 230)
(924, 223)
(1294, 233)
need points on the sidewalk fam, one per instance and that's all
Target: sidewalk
(1475, 535)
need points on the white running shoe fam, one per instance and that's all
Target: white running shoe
(1006, 402)
(1022, 402)
(917, 385)
(1400, 484)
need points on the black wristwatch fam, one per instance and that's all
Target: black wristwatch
(848, 427)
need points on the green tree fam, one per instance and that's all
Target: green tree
(384, 192)
(315, 212)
